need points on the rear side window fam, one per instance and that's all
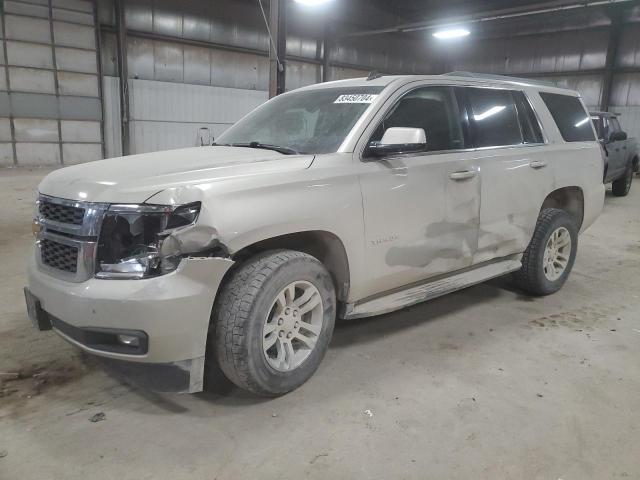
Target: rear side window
(615, 125)
(570, 116)
(494, 117)
(529, 124)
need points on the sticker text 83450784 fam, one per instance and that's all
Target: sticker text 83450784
(356, 98)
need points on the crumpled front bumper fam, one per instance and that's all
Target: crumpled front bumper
(173, 311)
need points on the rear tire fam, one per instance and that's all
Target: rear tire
(549, 258)
(621, 186)
(273, 321)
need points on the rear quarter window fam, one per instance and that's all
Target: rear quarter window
(572, 119)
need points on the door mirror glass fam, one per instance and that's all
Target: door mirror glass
(399, 140)
(617, 136)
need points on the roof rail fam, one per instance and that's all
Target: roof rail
(505, 78)
(373, 74)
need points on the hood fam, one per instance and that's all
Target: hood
(135, 178)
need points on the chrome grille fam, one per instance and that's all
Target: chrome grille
(67, 242)
(57, 212)
(60, 256)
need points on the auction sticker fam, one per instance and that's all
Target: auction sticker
(356, 98)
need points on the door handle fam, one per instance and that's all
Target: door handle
(537, 164)
(463, 175)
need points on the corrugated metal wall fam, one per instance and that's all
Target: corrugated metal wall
(567, 54)
(50, 109)
(217, 52)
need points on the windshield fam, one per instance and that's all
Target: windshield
(310, 121)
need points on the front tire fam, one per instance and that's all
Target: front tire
(621, 186)
(273, 321)
(549, 258)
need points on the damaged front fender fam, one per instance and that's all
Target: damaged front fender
(194, 240)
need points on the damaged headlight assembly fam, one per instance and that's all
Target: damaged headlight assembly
(137, 241)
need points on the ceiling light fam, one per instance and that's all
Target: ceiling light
(451, 33)
(489, 113)
(312, 3)
(582, 122)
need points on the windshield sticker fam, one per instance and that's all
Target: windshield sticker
(356, 98)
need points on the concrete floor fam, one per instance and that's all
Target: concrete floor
(484, 383)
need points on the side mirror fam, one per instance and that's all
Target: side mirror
(399, 140)
(617, 136)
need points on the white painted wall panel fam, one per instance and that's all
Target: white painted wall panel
(75, 153)
(73, 35)
(26, 9)
(38, 153)
(148, 136)
(82, 84)
(35, 130)
(75, 60)
(629, 119)
(112, 134)
(80, 5)
(29, 55)
(72, 16)
(6, 154)
(27, 28)
(178, 102)
(5, 130)
(74, 131)
(31, 80)
(169, 115)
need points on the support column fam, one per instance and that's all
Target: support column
(277, 52)
(326, 52)
(121, 38)
(610, 62)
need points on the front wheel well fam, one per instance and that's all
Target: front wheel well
(324, 246)
(569, 199)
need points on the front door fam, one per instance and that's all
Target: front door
(421, 211)
(616, 150)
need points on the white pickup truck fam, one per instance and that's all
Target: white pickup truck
(340, 200)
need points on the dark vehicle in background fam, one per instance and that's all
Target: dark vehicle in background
(621, 153)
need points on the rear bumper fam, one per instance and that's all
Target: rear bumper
(170, 313)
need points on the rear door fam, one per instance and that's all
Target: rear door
(516, 174)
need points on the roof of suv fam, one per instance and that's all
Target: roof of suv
(464, 77)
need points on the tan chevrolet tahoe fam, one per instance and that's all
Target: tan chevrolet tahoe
(340, 200)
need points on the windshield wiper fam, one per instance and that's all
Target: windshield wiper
(266, 146)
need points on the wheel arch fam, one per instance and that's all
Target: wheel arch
(569, 199)
(323, 245)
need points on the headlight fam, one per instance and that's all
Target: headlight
(133, 240)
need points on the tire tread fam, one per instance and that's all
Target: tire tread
(527, 277)
(233, 310)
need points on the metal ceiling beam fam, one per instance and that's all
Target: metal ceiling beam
(326, 51)
(278, 50)
(121, 43)
(493, 15)
(610, 61)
